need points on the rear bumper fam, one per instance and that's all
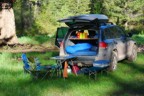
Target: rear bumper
(101, 63)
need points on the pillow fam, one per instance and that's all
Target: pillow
(78, 47)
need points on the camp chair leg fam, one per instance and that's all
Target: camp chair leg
(104, 71)
(45, 75)
(59, 72)
(92, 73)
(95, 76)
(25, 71)
(52, 72)
(35, 75)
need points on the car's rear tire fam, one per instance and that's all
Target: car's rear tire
(133, 55)
(113, 62)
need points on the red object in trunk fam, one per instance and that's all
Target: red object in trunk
(78, 35)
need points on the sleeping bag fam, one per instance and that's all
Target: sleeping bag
(78, 47)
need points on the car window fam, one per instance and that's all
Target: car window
(115, 32)
(107, 34)
(120, 31)
(60, 34)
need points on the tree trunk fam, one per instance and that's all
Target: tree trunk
(7, 27)
(126, 25)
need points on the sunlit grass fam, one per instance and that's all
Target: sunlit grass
(27, 40)
(139, 39)
(127, 80)
(41, 40)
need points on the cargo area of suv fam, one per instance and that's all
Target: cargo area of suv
(82, 43)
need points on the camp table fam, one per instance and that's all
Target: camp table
(63, 59)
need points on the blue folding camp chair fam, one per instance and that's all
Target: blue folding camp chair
(26, 63)
(29, 69)
(39, 69)
(53, 69)
(100, 65)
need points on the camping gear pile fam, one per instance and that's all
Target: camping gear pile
(61, 69)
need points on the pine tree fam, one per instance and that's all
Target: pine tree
(96, 6)
(54, 10)
(127, 10)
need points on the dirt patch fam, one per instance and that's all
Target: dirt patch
(38, 48)
(26, 48)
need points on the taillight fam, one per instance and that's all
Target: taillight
(102, 45)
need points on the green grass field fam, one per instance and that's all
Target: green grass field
(139, 38)
(127, 80)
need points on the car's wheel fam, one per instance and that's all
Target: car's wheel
(133, 55)
(113, 62)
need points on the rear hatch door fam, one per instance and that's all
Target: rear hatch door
(82, 20)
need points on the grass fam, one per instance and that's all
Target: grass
(127, 80)
(44, 40)
(139, 39)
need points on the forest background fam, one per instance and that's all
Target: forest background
(36, 23)
(36, 17)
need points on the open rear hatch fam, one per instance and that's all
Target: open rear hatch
(82, 20)
(87, 47)
(80, 46)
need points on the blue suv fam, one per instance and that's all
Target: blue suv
(91, 38)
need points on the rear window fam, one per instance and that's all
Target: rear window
(120, 31)
(107, 34)
(61, 32)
